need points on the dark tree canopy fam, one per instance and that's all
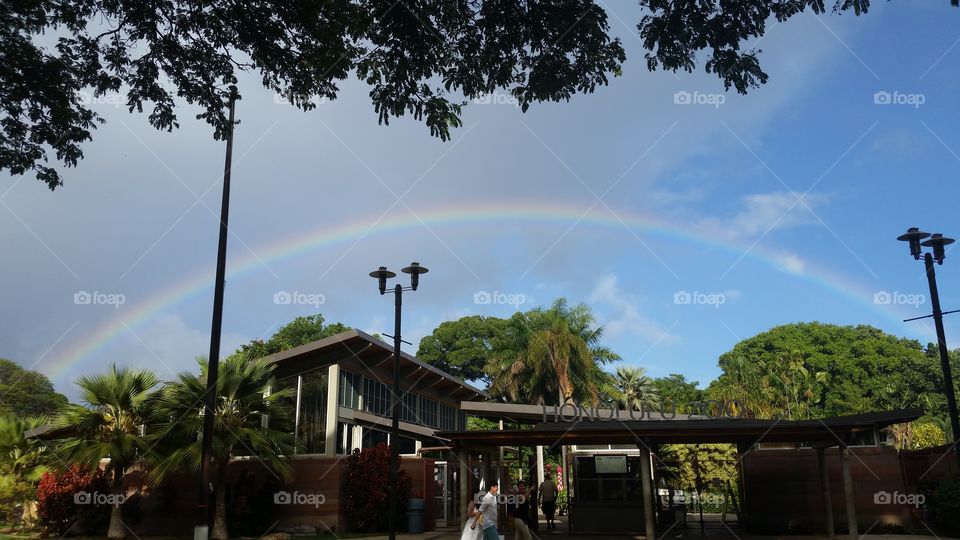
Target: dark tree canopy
(419, 57)
(26, 393)
(422, 57)
(462, 347)
(675, 33)
(299, 331)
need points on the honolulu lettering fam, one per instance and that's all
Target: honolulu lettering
(699, 410)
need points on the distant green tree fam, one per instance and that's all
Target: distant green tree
(24, 392)
(299, 331)
(815, 370)
(462, 347)
(677, 390)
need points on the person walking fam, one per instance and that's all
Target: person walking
(548, 500)
(488, 509)
(472, 529)
(521, 512)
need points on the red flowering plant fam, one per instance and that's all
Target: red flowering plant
(365, 488)
(65, 502)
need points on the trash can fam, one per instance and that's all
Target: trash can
(415, 510)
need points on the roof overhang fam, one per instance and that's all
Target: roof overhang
(359, 351)
(837, 430)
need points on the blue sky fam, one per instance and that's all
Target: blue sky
(688, 218)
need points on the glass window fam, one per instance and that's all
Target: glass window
(376, 397)
(284, 422)
(408, 409)
(448, 418)
(312, 423)
(407, 445)
(373, 437)
(349, 395)
(344, 438)
(428, 412)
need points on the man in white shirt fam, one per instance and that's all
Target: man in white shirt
(488, 507)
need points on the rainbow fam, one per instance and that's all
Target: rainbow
(81, 351)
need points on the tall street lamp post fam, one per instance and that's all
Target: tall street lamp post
(936, 242)
(382, 275)
(201, 529)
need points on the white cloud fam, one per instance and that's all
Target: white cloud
(620, 314)
(790, 263)
(763, 212)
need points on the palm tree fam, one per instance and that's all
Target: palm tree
(22, 458)
(634, 389)
(551, 354)
(245, 409)
(110, 424)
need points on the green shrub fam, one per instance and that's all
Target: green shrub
(945, 504)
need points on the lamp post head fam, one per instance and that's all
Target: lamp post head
(415, 270)
(913, 237)
(381, 275)
(937, 241)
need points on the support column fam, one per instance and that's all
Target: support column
(825, 486)
(486, 471)
(333, 405)
(463, 485)
(649, 522)
(848, 493)
(540, 479)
